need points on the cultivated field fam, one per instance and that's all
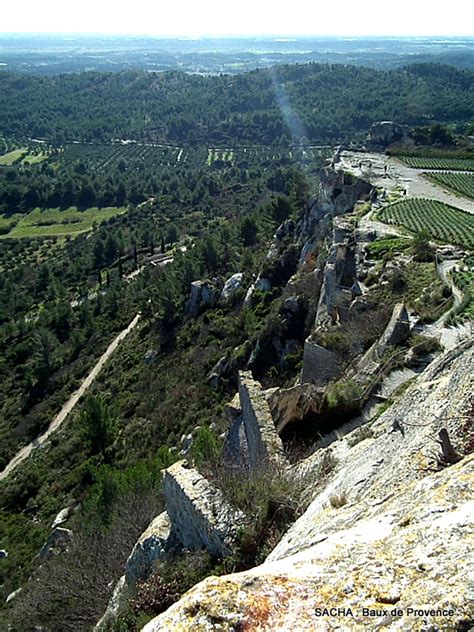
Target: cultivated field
(166, 156)
(54, 222)
(445, 223)
(443, 164)
(107, 155)
(12, 156)
(462, 183)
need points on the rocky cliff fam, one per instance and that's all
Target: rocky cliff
(385, 541)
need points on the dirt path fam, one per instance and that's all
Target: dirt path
(25, 452)
(371, 166)
(448, 335)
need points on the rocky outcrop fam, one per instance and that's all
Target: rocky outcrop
(338, 193)
(397, 330)
(289, 405)
(150, 547)
(58, 541)
(340, 275)
(220, 370)
(203, 294)
(320, 365)
(385, 535)
(263, 442)
(261, 284)
(114, 606)
(396, 333)
(200, 515)
(231, 286)
(384, 133)
(61, 518)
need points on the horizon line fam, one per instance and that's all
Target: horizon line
(231, 36)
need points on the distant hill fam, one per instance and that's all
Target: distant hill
(311, 102)
(53, 54)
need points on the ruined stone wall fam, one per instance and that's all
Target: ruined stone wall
(263, 442)
(200, 515)
(235, 442)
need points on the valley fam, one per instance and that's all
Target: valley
(232, 306)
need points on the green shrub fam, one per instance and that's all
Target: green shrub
(342, 394)
(205, 447)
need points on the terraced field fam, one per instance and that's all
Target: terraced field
(462, 183)
(445, 223)
(443, 164)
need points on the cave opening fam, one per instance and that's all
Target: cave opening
(299, 436)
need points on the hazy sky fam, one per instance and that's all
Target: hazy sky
(240, 17)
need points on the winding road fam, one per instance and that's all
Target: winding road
(25, 452)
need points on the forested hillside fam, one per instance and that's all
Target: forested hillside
(316, 102)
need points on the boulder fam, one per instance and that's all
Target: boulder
(397, 331)
(291, 304)
(150, 356)
(262, 284)
(13, 595)
(293, 404)
(285, 230)
(219, 370)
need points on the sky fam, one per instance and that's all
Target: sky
(197, 18)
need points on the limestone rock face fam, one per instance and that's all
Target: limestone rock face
(385, 531)
(62, 516)
(150, 547)
(383, 133)
(200, 515)
(340, 274)
(57, 541)
(293, 404)
(338, 193)
(320, 365)
(396, 332)
(232, 284)
(203, 294)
